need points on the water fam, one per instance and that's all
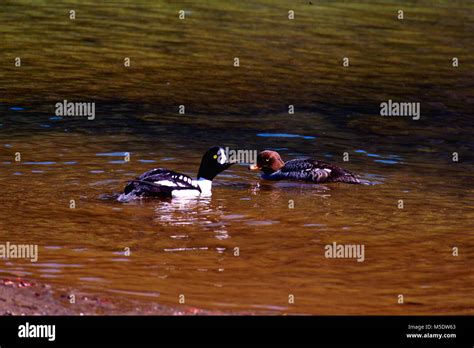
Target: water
(181, 247)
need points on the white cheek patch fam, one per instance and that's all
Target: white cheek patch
(221, 157)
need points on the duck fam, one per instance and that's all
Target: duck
(162, 182)
(274, 168)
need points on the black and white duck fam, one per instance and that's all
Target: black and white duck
(161, 182)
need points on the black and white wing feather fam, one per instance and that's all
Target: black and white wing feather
(158, 182)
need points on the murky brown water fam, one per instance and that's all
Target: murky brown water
(188, 247)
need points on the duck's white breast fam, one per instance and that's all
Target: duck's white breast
(185, 193)
(204, 185)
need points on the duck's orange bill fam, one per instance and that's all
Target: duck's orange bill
(254, 167)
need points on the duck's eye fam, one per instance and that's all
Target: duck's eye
(268, 160)
(215, 156)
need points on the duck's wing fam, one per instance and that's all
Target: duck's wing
(315, 171)
(298, 169)
(159, 182)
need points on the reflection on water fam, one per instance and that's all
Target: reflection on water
(198, 212)
(244, 249)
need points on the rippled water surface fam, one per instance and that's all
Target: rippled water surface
(188, 247)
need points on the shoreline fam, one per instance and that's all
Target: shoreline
(21, 297)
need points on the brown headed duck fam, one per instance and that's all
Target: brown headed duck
(274, 168)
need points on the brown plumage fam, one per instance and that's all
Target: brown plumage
(274, 168)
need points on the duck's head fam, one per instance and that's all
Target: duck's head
(268, 162)
(213, 162)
